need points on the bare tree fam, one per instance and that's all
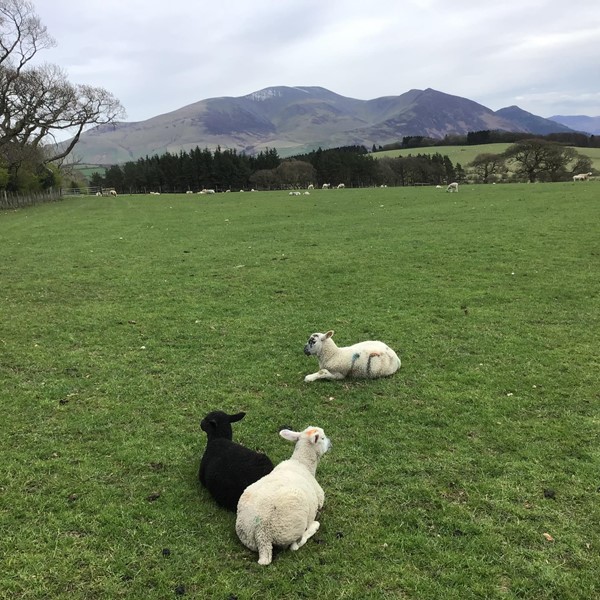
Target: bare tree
(22, 34)
(538, 159)
(295, 173)
(487, 165)
(529, 157)
(37, 103)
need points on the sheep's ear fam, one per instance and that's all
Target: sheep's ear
(291, 436)
(238, 417)
(312, 434)
(329, 334)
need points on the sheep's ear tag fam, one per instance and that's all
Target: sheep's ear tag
(329, 334)
(310, 433)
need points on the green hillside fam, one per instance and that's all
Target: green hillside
(465, 154)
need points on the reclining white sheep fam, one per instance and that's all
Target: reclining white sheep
(369, 359)
(280, 509)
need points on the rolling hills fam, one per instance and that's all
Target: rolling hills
(294, 120)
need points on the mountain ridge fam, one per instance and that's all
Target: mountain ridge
(583, 123)
(298, 119)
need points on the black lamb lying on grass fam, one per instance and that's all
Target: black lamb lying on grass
(227, 468)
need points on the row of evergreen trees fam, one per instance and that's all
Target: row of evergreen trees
(229, 170)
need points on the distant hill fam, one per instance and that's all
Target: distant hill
(300, 119)
(531, 122)
(589, 125)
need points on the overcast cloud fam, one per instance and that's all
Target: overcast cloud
(156, 56)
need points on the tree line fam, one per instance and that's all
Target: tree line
(530, 160)
(223, 170)
(491, 136)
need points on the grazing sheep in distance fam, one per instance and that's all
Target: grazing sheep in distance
(280, 509)
(310, 187)
(340, 186)
(295, 194)
(369, 359)
(326, 186)
(581, 177)
(227, 468)
(453, 187)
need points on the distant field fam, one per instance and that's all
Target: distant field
(471, 473)
(460, 154)
(593, 153)
(88, 170)
(465, 154)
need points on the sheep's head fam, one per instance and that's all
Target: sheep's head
(315, 342)
(313, 436)
(217, 424)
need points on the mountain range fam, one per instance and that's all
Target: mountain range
(295, 120)
(579, 123)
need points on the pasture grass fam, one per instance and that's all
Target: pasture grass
(474, 472)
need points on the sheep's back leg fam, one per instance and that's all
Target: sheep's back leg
(323, 374)
(310, 531)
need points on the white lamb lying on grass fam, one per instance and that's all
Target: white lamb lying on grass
(363, 360)
(280, 509)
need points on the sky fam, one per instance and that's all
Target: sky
(157, 56)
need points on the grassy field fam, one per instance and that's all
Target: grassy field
(474, 472)
(465, 154)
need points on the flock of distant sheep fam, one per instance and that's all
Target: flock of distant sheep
(452, 187)
(277, 506)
